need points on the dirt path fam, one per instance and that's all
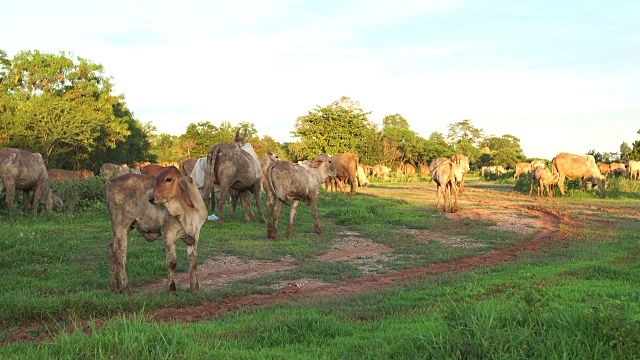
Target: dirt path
(509, 212)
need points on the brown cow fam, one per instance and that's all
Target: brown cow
(110, 171)
(346, 165)
(233, 166)
(424, 171)
(522, 168)
(618, 169)
(381, 171)
(187, 165)
(26, 171)
(61, 176)
(463, 162)
(576, 166)
(536, 163)
(153, 169)
(287, 181)
(405, 170)
(448, 177)
(168, 205)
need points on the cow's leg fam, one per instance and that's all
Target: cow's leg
(276, 215)
(25, 200)
(192, 252)
(561, 184)
(464, 175)
(292, 216)
(10, 195)
(270, 203)
(222, 195)
(455, 196)
(257, 191)
(37, 195)
(171, 260)
(438, 193)
(118, 260)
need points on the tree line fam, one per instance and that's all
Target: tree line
(64, 107)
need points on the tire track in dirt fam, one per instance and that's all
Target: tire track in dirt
(549, 223)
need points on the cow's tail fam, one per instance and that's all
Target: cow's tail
(270, 187)
(554, 166)
(210, 177)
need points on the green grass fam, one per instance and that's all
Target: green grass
(576, 298)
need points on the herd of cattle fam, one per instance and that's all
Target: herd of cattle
(163, 201)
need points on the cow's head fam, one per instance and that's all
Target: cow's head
(170, 184)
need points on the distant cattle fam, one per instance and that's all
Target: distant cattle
(291, 182)
(618, 169)
(448, 177)
(576, 166)
(110, 171)
(493, 169)
(25, 171)
(153, 169)
(168, 205)
(424, 171)
(381, 171)
(186, 165)
(536, 163)
(604, 169)
(405, 171)
(60, 175)
(234, 167)
(634, 169)
(545, 180)
(346, 165)
(522, 168)
(362, 177)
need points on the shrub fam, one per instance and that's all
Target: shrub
(79, 194)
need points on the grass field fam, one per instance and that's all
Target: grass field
(575, 295)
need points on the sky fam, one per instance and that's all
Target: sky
(558, 75)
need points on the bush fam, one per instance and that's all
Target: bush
(81, 193)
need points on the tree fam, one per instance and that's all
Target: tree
(338, 127)
(395, 120)
(504, 150)
(463, 132)
(58, 106)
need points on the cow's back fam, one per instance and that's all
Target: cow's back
(22, 168)
(128, 203)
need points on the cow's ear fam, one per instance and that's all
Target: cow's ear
(315, 164)
(183, 191)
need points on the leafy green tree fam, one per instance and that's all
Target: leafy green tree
(395, 120)
(59, 106)
(625, 150)
(463, 132)
(339, 127)
(504, 150)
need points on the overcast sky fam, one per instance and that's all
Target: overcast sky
(558, 75)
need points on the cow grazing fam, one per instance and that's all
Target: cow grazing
(362, 177)
(576, 166)
(448, 177)
(153, 169)
(110, 171)
(187, 165)
(382, 171)
(618, 169)
(604, 169)
(463, 162)
(25, 171)
(634, 169)
(424, 171)
(61, 176)
(168, 205)
(287, 181)
(522, 168)
(545, 180)
(346, 165)
(234, 167)
(405, 171)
